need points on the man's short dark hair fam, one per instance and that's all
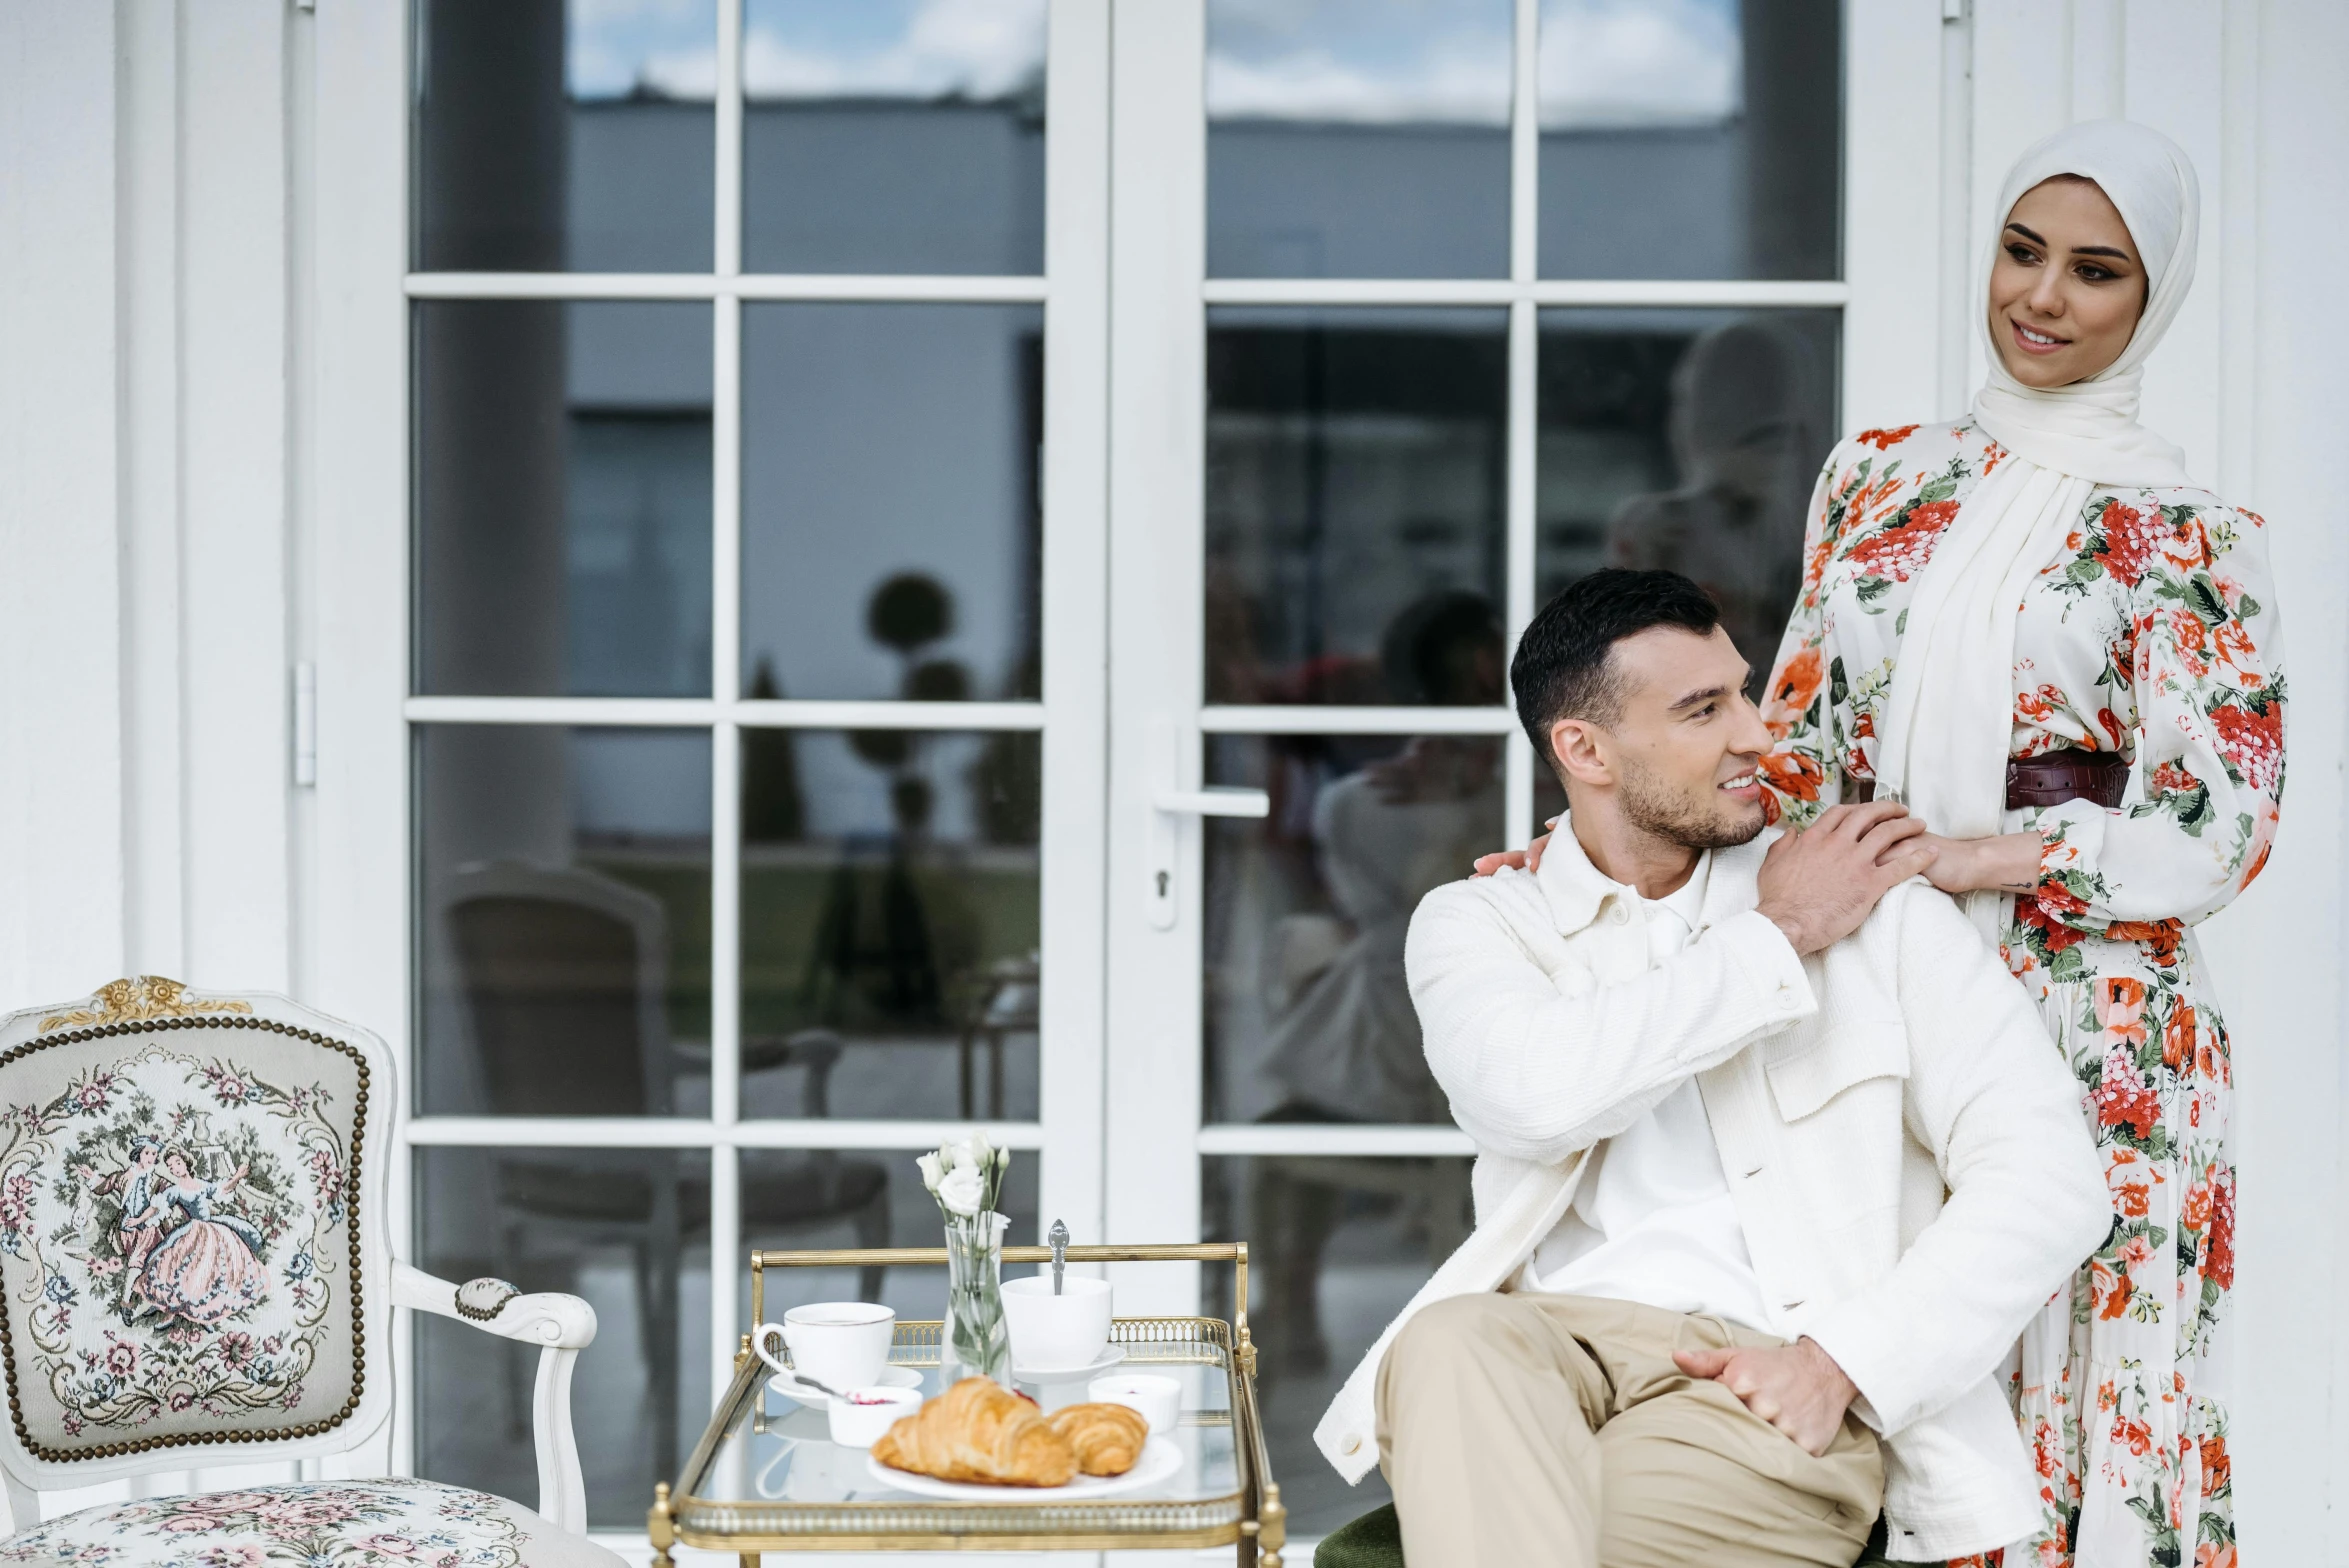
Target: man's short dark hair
(1563, 668)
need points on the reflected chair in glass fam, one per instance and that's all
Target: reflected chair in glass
(1294, 1204)
(565, 975)
(195, 1272)
(1004, 1004)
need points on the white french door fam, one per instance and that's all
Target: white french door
(1418, 313)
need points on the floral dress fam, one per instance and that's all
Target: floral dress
(2151, 634)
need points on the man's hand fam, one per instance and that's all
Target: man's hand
(1819, 884)
(1797, 1388)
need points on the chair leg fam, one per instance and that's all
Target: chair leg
(872, 1230)
(667, 1247)
(995, 1073)
(968, 1100)
(521, 1371)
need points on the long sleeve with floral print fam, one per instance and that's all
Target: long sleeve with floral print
(2152, 633)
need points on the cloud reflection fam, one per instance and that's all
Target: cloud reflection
(1602, 63)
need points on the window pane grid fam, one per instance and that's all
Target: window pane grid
(743, 1197)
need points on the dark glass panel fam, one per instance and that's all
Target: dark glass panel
(628, 1229)
(1691, 139)
(563, 909)
(1308, 1017)
(1335, 1249)
(1355, 504)
(556, 136)
(886, 136)
(562, 498)
(890, 500)
(1358, 139)
(1686, 439)
(889, 923)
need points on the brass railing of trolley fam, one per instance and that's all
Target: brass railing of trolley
(1263, 1535)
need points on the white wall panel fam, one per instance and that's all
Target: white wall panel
(61, 731)
(233, 379)
(2175, 62)
(154, 818)
(2278, 952)
(1892, 217)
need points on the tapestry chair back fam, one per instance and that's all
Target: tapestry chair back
(191, 1247)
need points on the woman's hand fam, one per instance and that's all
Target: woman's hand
(2008, 863)
(1527, 859)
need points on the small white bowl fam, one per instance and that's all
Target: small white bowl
(1159, 1399)
(859, 1420)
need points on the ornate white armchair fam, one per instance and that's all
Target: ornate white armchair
(194, 1271)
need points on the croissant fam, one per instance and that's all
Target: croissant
(1107, 1438)
(978, 1431)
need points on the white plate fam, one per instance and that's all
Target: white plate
(1101, 1363)
(792, 1388)
(1160, 1460)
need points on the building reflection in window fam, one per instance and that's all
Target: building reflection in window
(1355, 465)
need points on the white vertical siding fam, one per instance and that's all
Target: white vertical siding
(61, 720)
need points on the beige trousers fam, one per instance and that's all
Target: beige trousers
(1555, 1430)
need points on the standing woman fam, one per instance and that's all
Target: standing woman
(2033, 629)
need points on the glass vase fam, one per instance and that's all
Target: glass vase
(977, 1342)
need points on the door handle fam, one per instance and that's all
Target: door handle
(1170, 802)
(1213, 802)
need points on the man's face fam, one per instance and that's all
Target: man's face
(1681, 750)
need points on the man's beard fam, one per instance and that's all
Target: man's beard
(1665, 814)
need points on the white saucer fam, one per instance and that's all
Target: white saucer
(1108, 1358)
(790, 1387)
(1160, 1460)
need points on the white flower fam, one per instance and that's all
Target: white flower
(962, 1191)
(954, 1155)
(932, 1173)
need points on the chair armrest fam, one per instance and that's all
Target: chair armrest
(561, 1326)
(546, 1318)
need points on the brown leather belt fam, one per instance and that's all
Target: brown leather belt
(2070, 774)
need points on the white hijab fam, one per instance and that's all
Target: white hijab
(1948, 720)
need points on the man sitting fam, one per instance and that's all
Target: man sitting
(1774, 1158)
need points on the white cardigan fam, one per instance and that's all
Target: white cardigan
(1907, 1151)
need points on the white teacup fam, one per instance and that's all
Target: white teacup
(1056, 1333)
(841, 1343)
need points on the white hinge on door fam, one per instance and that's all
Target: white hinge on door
(305, 724)
(1170, 802)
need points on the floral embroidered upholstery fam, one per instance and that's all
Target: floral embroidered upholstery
(339, 1524)
(178, 1238)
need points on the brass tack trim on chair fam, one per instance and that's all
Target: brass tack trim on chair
(184, 1019)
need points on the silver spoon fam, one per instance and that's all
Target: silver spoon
(820, 1387)
(1059, 1241)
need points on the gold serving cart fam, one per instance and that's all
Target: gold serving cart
(766, 1477)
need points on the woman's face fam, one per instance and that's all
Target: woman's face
(177, 1166)
(2067, 288)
